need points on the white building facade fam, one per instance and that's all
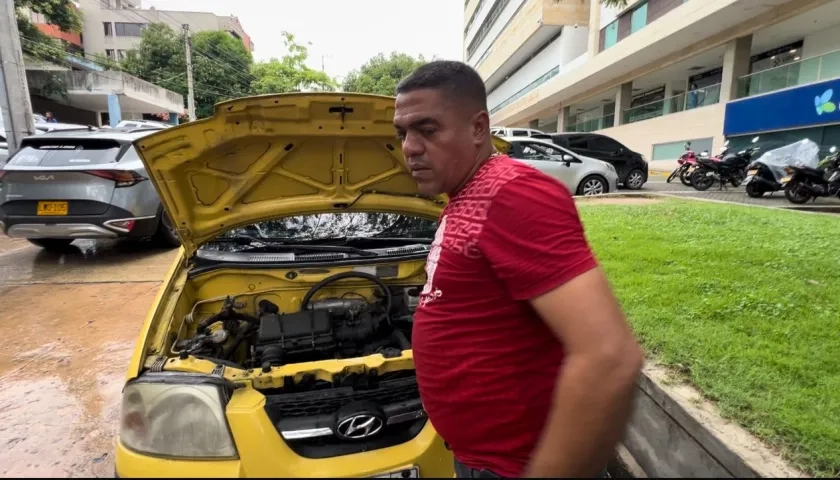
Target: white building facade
(657, 73)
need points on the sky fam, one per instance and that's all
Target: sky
(346, 33)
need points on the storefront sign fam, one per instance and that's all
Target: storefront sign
(805, 106)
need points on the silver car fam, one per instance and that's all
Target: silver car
(65, 185)
(581, 175)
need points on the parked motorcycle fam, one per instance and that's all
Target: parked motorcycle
(687, 164)
(767, 173)
(732, 169)
(805, 183)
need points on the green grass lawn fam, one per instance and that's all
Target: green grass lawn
(744, 301)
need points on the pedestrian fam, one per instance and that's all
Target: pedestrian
(524, 360)
(692, 96)
(50, 118)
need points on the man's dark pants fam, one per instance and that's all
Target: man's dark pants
(463, 471)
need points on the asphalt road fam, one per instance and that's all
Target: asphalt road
(657, 184)
(70, 323)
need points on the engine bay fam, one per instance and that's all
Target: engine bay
(324, 327)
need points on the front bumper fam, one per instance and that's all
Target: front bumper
(264, 454)
(105, 225)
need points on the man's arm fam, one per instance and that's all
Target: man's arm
(594, 390)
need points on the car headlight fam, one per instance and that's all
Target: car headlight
(175, 420)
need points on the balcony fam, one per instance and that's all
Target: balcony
(90, 91)
(607, 121)
(532, 17)
(810, 70)
(678, 103)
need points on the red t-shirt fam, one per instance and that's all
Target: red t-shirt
(486, 362)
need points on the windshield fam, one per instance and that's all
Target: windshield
(65, 152)
(329, 226)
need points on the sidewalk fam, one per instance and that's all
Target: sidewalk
(662, 167)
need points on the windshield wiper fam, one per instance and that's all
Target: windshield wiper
(312, 248)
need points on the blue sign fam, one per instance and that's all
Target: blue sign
(805, 106)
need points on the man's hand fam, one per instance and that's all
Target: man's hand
(595, 387)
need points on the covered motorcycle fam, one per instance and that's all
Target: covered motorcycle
(767, 174)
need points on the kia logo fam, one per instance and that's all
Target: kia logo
(43, 177)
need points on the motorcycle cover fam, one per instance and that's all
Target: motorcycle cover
(804, 153)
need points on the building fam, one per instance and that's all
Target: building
(658, 73)
(113, 27)
(95, 95)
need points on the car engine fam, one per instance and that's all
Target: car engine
(329, 328)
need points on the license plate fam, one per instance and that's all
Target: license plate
(52, 208)
(747, 180)
(753, 172)
(413, 472)
(690, 169)
(785, 179)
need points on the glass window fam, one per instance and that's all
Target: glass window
(129, 29)
(579, 142)
(109, 31)
(638, 19)
(611, 35)
(519, 133)
(672, 150)
(603, 144)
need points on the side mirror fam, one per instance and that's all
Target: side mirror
(726, 144)
(4, 145)
(687, 145)
(568, 158)
(832, 149)
(755, 139)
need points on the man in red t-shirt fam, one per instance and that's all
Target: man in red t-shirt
(524, 359)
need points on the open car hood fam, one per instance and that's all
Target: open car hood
(266, 157)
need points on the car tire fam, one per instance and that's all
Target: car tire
(165, 234)
(634, 180)
(51, 244)
(593, 185)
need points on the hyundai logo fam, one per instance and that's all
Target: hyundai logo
(359, 427)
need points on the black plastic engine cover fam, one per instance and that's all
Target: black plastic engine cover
(284, 328)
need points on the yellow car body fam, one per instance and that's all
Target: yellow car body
(188, 415)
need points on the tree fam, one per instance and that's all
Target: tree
(221, 64)
(290, 73)
(380, 75)
(60, 13)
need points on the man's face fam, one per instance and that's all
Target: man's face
(439, 141)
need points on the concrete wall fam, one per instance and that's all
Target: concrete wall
(700, 122)
(674, 433)
(570, 45)
(821, 42)
(507, 13)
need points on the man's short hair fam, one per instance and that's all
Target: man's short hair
(456, 79)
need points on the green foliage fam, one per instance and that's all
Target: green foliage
(615, 3)
(60, 13)
(290, 73)
(743, 302)
(220, 64)
(34, 43)
(380, 75)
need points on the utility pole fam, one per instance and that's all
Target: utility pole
(15, 105)
(190, 92)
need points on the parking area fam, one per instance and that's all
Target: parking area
(70, 322)
(657, 184)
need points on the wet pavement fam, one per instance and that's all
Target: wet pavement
(71, 321)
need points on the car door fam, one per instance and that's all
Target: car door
(606, 149)
(550, 161)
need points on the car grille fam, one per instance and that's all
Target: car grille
(399, 399)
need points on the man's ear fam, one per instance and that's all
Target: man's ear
(480, 127)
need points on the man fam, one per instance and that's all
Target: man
(525, 362)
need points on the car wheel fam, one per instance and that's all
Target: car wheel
(51, 244)
(165, 234)
(635, 179)
(593, 185)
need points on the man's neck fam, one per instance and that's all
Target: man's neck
(483, 158)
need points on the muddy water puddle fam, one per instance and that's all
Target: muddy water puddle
(62, 374)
